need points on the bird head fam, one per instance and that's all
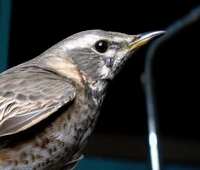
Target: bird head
(101, 54)
(97, 54)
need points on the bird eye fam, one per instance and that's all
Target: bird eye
(101, 46)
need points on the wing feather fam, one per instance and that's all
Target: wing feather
(29, 95)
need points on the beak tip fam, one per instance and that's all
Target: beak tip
(143, 38)
(159, 32)
(152, 34)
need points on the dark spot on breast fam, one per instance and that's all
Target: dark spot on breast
(15, 162)
(25, 162)
(23, 155)
(62, 144)
(8, 94)
(36, 144)
(68, 116)
(50, 150)
(64, 125)
(41, 143)
(43, 164)
(54, 149)
(21, 97)
(66, 149)
(47, 161)
(44, 142)
(39, 164)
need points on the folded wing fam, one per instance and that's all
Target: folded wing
(28, 95)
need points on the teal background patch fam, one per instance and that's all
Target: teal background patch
(5, 13)
(95, 163)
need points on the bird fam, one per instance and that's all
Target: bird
(50, 104)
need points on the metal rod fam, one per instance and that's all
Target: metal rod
(149, 87)
(153, 139)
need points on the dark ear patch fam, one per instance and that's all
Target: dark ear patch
(88, 61)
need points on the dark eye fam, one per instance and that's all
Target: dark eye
(101, 46)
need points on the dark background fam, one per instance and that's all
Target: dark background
(37, 25)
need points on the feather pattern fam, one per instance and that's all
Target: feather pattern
(29, 95)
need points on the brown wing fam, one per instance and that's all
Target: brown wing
(29, 95)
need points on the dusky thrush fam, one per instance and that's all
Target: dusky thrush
(49, 105)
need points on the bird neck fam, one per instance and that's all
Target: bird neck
(98, 89)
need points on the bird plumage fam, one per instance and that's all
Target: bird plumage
(31, 93)
(49, 105)
(53, 143)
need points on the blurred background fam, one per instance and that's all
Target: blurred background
(119, 142)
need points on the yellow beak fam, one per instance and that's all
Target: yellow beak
(142, 39)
